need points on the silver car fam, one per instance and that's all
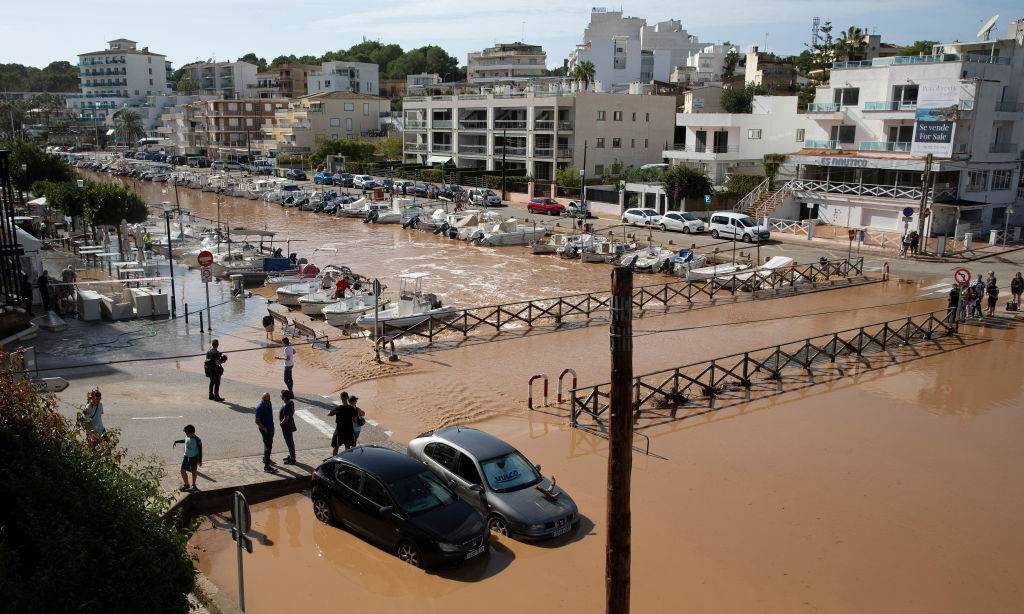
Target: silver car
(498, 480)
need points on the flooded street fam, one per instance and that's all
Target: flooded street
(888, 489)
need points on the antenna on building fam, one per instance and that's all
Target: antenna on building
(815, 24)
(986, 29)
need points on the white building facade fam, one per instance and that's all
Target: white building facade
(224, 79)
(117, 77)
(356, 77)
(709, 63)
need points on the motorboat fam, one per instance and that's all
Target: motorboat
(510, 232)
(414, 307)
(314, 294)
(345, 312)
(357, 208)
(649, 260)
(552, 244)
(603, 250)
(716, 270)
(761, 276)
(686, 261)
(396, 212)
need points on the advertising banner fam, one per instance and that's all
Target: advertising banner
(935, 123)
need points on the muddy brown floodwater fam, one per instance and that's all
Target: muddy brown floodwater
(893, 490)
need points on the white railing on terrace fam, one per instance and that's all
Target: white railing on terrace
(922, 59)
(860, 189)
(751, 196)
(472, 124)
(883, 146)
(697, 148)
(890, 105)
(796, 227)
(544, 124)
(825, 107)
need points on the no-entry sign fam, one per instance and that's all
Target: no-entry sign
(961, 276)
(205, 258)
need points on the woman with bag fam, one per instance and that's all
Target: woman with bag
(359, 421)
(286, 417)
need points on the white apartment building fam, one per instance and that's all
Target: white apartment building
(224, 79)
(723, 144)
(357, 77)
(537, 132)
(506, 62)
(116, 77)
(709, 63)
(626, 50)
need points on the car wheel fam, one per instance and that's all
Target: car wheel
(409, 553)
(551, 212)
(625, 221)
(497, 524)
(714, 234)
(686, 230)
(746, 238)
(322, 509)
(662, 227)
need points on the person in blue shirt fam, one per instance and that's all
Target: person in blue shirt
(193, 458)
(265, 422)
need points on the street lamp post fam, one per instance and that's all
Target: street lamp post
(24, 180)
(170, 255)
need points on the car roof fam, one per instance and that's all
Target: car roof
(385, 463)
(478, 443)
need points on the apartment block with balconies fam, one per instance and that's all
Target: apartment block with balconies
(506, 62)
(116, 77)
(536, 132)
(356, 77)
(224, 79)
(222, 128)
(284, 81)
(331, 115)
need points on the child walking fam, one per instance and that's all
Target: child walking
(193, 458)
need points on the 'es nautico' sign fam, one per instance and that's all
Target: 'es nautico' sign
(854, 162)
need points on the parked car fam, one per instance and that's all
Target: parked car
(577, 208)
(217, 165)
(400, 186)
(484, 197)
(296, 174)
(452, 191)
(641, 217)
(324, 177)
(177, 160)
(729, 224)
(499, 481)
(232, 166)
(681, 221)
(547, 206)
(384, 184)
(417, 189)
(399, 504)
(343, 179)
(364, 182)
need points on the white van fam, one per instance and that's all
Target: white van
(728, 224)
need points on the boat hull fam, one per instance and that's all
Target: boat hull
(389, 317)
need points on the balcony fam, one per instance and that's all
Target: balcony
(827, 144)
(922, 59)
(510, 124)
(446, 147)
(473, 150)
(890, 105)
(510, 151)
(1003, 148)
(543, 152)
(883, 146)
(473, 124)
(705, 148)
(442, 124)
(563, 153)
(824, 107)
(416, 124)
(544, 124)
(1009, 107)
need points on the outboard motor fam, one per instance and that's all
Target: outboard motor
(435, 303)
(631, 261)
(371, 216)
(477, 235)
(411, 222)
(442, 228)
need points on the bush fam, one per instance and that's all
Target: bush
(743, 184)
(433, 175)
(82, 525)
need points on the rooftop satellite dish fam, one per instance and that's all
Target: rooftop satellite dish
(983, 33)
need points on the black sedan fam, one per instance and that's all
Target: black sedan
(400, 505)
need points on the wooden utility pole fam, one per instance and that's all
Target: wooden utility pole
(620, 443)
(926, 177)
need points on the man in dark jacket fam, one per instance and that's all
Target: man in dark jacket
(215, 369)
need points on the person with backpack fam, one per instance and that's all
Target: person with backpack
(214, 368)
(1016, 289)
(992, 291)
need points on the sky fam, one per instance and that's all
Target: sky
(37, 33)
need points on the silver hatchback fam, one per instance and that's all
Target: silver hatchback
(499, 481)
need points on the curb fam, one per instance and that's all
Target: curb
(213, 598)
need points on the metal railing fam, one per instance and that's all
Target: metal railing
(441, 147)
(758, 373)
(441, 124)
(564, 125)
(890, 105)
(510, 151)
(883, 146)
(704, 148)
(510, 124)
(825, 107)
(563, 152)
(751, 196)
(816, 144)
(775, 198)
(415, 123)
(586, 305)
(544, 124)
(416, 146)
(922, 59)
(472, 124)
(543, 152)
(472, 149)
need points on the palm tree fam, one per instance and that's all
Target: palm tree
(852, 43)
(584, 72)
(128, 126)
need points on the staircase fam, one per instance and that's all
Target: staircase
(768, 200)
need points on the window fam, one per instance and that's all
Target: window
(374, 491)
(846, 96)
(843, 134)
(647, 117)
(799, 134)
(600, 116)
(600, 143)
(645, 144)
(616, 143)
(632, 143)
(151, 82)
(366, 108)
(248, 121)
(617, 116)
(350, 476)
(348, 123)
(1001, 179)
(334, 135)
(977, 181)
(266, 108)
(232, 107)
(634, 115)
(901, 134)
(150, 71)
(349, 106)
(754, 133)
(442, 453)
(599, 169)
(466, 469)
(327, 83)
(335, 122)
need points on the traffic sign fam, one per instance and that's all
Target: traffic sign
(206, 274)
(961, 276)
(707, 199)
(908, 212)
(853, 234)
(205, 258)
(240, 513)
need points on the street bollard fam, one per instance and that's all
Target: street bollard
(186, 313)
(200, 320)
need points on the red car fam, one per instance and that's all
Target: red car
(548, 206)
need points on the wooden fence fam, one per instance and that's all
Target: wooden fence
(585, 305)
(698, 384)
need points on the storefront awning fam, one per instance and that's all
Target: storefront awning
(439, 159)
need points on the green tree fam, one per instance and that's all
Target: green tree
(568, 177)
(260, 63)
(851, 44)
(732, 59)
(743, 184)
(584, 73)
(64, 196)
(918, 48)
(741, 100)
(684, 182)
(106, 204)
(128, 126)
(82, 523)
(39, 165)
(354, 151)
(186, 84)
(389, 147)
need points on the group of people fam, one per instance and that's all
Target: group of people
(911, 243)
(66, 287)
(966, 300)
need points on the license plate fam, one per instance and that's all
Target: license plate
(473, 553)
(562, 530)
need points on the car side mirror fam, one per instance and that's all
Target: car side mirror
(537, 467)
(385, 510)
(451, 484)
(476, 488)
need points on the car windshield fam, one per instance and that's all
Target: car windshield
(688, 217)
(649, 212)
(509, 472)
(745, 222)
(420, 493)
